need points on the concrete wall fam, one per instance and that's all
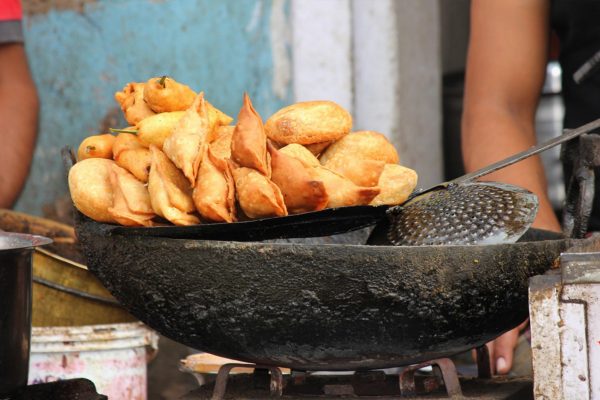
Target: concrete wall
(81, 52)
(380, 59)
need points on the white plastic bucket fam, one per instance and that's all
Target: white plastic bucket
(113, 356)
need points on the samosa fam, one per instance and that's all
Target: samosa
(90, 187)
(249, 141)
(301, 192)
(301, 153)
(170, 192)
(257, 195)
(185, 146)
(131, 154)
(131, 200)
(221, 146)
(318, 148)
(309, 122)
(361, 172)
(342, 191)
(396, 183)
(364, 145)
(214, 194)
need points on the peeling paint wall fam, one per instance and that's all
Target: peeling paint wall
(81, 52)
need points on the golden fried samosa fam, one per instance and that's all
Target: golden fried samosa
(249, 141)
(90, 187)
(221, 146)
(301, 153)
(257, 195)
(157, 128)
(131, 100)
(396, 183)
(309, 122)
(185, 146)
(342, 191)
(131, 154)
(217, 117)
(96, 146)
(170, 194)
(164, 94)
(318, 148)
(131, 200)
(365, 145)
(214, 194)
(301, 192)
(361, 172)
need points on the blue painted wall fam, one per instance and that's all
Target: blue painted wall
(79, 58)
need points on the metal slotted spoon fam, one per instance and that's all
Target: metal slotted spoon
(463, 211)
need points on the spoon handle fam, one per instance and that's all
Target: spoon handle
(568, 135)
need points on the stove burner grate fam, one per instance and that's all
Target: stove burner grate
(442, 382)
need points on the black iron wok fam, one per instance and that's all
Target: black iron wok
(319, 307)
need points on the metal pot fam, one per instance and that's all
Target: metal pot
(15, 307)
(319, 307)
(64, 292)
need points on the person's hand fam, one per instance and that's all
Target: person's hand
(502, 349)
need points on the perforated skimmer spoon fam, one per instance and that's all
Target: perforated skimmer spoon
(463, 211)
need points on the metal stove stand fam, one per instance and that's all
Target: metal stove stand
(443, 383)
(565, 327)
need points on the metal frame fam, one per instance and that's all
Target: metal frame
(276, 386)
(448, 370)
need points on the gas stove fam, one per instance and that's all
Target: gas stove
(565, 328)
(436, 379)
(243, 299)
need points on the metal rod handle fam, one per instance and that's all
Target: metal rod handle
(565, 137)
(75, 292)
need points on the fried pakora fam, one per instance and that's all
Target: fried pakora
(96, 146)
(131, 100)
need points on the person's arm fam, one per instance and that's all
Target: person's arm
(505, 72)
(19, 107)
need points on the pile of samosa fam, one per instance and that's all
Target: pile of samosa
(182, 161)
